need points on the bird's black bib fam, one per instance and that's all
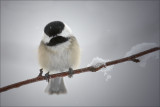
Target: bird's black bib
(57, 40)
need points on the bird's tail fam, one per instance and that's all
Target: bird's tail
(56, 86)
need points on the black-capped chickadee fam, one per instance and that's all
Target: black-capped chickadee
(58, 52)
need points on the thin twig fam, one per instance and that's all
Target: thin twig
(87, 69)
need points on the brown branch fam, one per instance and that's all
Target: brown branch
(87, 69)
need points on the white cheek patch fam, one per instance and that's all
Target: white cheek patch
(66, 31)
(46, 38)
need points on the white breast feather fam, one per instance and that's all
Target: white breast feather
(61, 57)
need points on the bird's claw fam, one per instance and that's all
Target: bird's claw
(47, 76)
(70, 72)
(40, 73)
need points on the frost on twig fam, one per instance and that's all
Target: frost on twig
(143, 59)
(97, 62)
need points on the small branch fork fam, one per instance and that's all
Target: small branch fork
(82, 70)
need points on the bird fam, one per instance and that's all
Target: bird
(58, 51)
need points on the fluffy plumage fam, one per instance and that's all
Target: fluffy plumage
(57, 53)
(61, 57)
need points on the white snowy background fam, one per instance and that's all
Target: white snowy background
(104, 29)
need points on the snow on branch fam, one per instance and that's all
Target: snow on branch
(96, 62)
(139, 48)
(93, 68)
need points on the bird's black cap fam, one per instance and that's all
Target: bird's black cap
(54, 28)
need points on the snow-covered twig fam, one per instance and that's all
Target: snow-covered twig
(87, 69)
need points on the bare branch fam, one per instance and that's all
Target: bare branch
(87, 69)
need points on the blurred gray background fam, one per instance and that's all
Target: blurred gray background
(106, 29)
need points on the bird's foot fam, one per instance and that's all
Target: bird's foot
(70, 72)
(40, 73)
(47, 76)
